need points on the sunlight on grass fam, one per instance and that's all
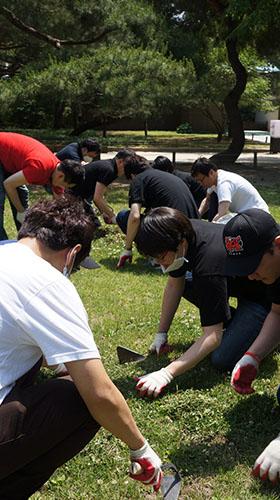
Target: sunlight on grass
(211, 434)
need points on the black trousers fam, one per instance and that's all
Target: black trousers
(41, 427)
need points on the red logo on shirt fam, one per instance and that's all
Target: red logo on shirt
(234, 244)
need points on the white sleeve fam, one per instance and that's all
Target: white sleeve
(56, 321)
(225, 191)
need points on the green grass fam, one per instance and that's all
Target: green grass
(56, 139)
(212, 434)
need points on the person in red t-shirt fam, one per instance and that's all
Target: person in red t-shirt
(24, 160)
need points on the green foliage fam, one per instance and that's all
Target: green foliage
(184, 128)
(108, 84)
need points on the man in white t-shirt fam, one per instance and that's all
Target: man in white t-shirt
(44, 424)
(235, 194)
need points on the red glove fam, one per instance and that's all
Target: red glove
(152, 384)
(244, 372)
(126, 255)
(146, 466)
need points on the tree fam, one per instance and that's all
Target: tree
(122, 83)
(233, 25)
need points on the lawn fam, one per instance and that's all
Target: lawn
(212, 434)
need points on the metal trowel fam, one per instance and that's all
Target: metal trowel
(128, 356)
(171, 481)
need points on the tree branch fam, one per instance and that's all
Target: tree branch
(56, 42)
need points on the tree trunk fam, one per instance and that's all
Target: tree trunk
(231, 101)
(146, 128)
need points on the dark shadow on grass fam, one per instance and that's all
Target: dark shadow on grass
(139, 266)
(254, 422)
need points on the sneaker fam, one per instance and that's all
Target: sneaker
(89, 263)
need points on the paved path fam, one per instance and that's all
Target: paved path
(263, 158)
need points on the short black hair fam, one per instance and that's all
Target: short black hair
(91, 144)
(125, 153)
(163, 163)
(203, 166)
(73, 171)
(59, 224)
(135, 165)
(162, 230)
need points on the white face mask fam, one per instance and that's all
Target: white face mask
(176, 264)
(87, 158)
(65, 272)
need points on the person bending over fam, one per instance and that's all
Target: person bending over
(252, 242)
(235, 194)
(192, 253)
(150, 188)
(44, 423)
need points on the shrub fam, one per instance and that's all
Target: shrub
(184, 128)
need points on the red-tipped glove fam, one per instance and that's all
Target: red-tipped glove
(160, 344)
(267, 465)
(244, 373)
(152, 384)
(146, 466)
(109, 220)
(126, 255)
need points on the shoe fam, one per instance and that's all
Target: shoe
(89, 263)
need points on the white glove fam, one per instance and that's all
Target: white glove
(159, 342)
(146, 466)
(244, 373)
(125, 255)
(20, 217)
(153, 383)
(268, 463)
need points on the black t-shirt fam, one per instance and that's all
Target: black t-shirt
(195, 187)
(154, 188)
(209, 289)
(274, 292)
(70, 152)
(103, 171)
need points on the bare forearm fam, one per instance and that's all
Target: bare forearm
(269, 336)
(107, 405)
(203, 206)
(14, 197)
(171, 299)
(132, 228)
(103, 207)
(197, 352)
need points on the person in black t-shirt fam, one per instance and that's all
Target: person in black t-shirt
(193, 255)
(150, 188)
(98, 176)
(80, 151)
(165, 165)
(252, 242)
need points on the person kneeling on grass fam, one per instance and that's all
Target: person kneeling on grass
(182, 246)
(44, 424)
(252, 242)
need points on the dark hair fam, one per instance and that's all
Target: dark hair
(135, 165)
(90, 144)
(202, 166)
(125, 153)
(60, 224)
(161, 230)
(163, 163)
(73, 171)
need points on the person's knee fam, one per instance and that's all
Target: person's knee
(121, 219)
(220, 361)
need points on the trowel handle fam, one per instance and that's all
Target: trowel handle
(135, 468)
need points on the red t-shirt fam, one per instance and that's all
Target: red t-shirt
(22, 153)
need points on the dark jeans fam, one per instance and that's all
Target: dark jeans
(23, 196)
(122, 218)
(239, 334)
(41, 427)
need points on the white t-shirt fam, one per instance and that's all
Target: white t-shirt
(238, 191)
(41, 313)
